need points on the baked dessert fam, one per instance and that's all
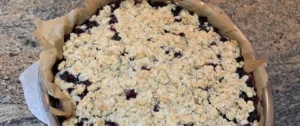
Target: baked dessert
(136, 63)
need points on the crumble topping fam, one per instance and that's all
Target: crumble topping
(136, 64)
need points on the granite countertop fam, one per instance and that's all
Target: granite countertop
(273, 26)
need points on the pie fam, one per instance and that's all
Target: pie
(141, 64)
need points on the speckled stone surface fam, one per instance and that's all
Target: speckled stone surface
(273, 26)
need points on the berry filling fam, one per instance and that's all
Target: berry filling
(156, 107)
(113, 19)
(224, 39)
(67, 77)
(147, 68)
(240, 72)
(91, 24)
(176, 11)
(78, 31)
(188, 124)
(130, 94)
(178, 55)
(116, 37)
(158, 4)
(254, 115)
(239, 59)
(110, 123)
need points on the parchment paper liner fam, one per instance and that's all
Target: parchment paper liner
(51, 34)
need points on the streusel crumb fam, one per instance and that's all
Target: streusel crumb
(154, 65)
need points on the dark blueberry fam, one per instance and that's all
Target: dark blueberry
(55, 102)
(157, 4)
(255, 100)
(124, 53)
(202, 20)
(219, 56)
(149, 39)
(253, 116)
(132, 58)
(188, 124)
(60, 119)
(98, 11)
(55, 67)
(240, 59)
(166, 31)
(67, 37)
(176, 11)
(67, 77)
(181, 34)
(70, 90)
(91, 124)
(244, 96)
(84, 119)
(191, 12)
(81, 122)
(110, 123)
(77, 102)
(156, 107)
(201, 27)
(224, 39)
(112, 28)
(115, 5)
(78, 31)
(222, 78)
(146, 68)
(178, 20)
(86, 83)
(167, 52)
(130, 94)
(177, 55)
(249, 82)
(116, 37)
(136, 2)
(240, 71)
(84, 93)
(213, 44)
(216, 30)
(235, 121)
(113, 19)
(91, 24)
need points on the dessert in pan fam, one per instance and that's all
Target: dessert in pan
(136, 63)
